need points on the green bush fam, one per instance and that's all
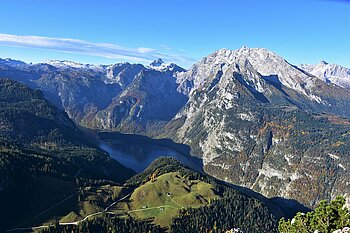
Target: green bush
(327, 217)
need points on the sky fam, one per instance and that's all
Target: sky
(180, 31)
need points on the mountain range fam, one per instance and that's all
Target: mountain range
(121, 96)
(254, 119)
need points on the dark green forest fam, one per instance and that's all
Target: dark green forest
(39, 140)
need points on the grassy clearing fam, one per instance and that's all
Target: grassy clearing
(163, 198)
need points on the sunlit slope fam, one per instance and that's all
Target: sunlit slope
(162, 198)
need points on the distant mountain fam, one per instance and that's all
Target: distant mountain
(147, 104)
(124, 96)
(13, 63)
(72, 65)
(260, 122)
(157, 63)
(330, 73)
(161, 66)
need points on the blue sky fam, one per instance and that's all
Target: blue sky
(184, 31)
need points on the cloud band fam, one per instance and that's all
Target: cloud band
(105, 50)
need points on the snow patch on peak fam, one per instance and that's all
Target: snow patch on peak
(70, 64)
(160, 65)
(157, 63)
(329, 73)
(12, 62)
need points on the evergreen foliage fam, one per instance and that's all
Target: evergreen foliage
(326, 218)
(232, 211)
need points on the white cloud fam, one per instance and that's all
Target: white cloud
(166, 47)
(106, 50)
(145, 50)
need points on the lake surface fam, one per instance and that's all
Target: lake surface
(138, 152)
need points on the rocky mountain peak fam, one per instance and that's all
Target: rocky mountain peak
(157, 63)
(329, 73)
(160, 65)
(261, 60)
(264, 61)
(12, 62)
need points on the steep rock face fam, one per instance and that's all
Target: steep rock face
(252, 125)
(329, 73)
(122, 73)
(263, 61)
(147, 104)
(81, 94)
(123, 96)
(309, 92)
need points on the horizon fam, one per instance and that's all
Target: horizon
(109, 32)
(148, 64)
